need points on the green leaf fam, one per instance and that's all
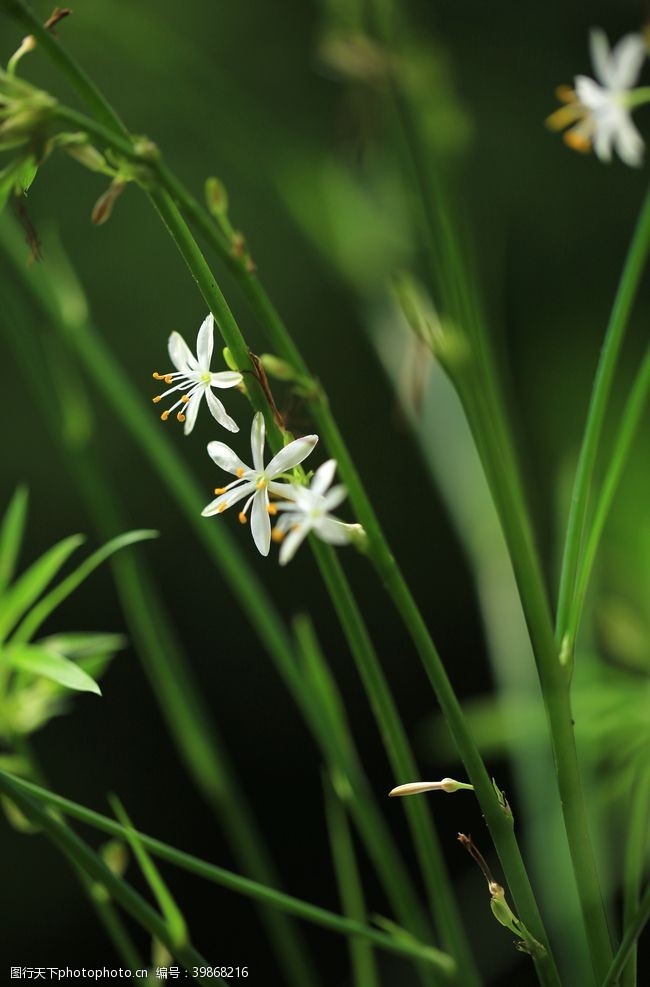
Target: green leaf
(20, 597)
(25, 175)
(82, 645)
(54, 666)
(11, 535)
(42, 610)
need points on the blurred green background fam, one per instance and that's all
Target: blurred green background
(239, 91)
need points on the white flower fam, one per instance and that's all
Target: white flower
(194, 378)
(308, 510)
(257, 481)
(600, 112)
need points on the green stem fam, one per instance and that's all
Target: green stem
(602, 386)
(18, 789)
(632, 414)
(632, 933)
(350, 888)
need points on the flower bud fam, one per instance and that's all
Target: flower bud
(417, 787)
(277, 368)
(216, 197)
(103, 208)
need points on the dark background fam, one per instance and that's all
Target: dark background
(236, 90)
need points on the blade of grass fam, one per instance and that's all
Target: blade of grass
(11, 536)
(633, 931)
(635, 867)
(364, 970)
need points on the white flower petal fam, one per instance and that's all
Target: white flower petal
(285, 490)
(323, 477)
(292, 542)
(332, 531)
(191, 411)
(258, 430)
(334, 497)
(180, 353)
(627, 58)
(590, 94)
(205, 343)
(226, 378)
(601, 56)
(224, 457)
(229, 499)
(291, 455)
(261, 522)
(219, 412)
(629, 143)
(602, 139)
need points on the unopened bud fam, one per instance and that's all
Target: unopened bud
(216, 197)
(104, 206)
(229, 359)
(116, 856)
(417, 787)
(85, 154)
(277, 368)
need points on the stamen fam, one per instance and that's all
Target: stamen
(165, 416)
(242, 518)
(272, 509)
(220, 490)
(157, 398)
(577, 141)
(565, 94)
(221, 508)
(168, 378)
(261, 484)
(180, 417)
(240, 472)
(185, 398)
(157, 376)
(565, 116)
(277, 535)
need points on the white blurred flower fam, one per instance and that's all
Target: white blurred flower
(195, 380)
(598, 113)
(308, 510)
(256, 482)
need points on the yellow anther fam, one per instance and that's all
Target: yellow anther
(219, 491)
(221, 508)
(185, 399)
(240, 472)
(157, 398)
(272, 509)
(242, 518)
(566, 94)
(565, 116)
(277, 535)
(168, 378)
(577, 141)
(156, 375)
(261, 484)
(180, 417)
(165, 416)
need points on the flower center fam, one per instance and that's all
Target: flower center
(205, 378)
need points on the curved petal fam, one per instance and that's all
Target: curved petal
(219, 412)
(261, 522)
(180, 354)
(332, 531)
(258, 430)
(323, 477)
(601, 56)
(590, 94)
(629, 143)
(192, 410)
(228, 499)
(627, 57)
(224, 457)
(284, 490)
(226, 378)
(205, 343)
(292, 543)
(334, 497)
(291, 455)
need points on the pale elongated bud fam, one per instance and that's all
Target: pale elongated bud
(417, 787)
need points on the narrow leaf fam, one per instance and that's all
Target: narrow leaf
(83, 645)
(11, 535)
(52, 666)
(170, 910)
(42, 610)
(31, 584)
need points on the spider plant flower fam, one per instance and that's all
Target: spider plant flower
(194, 379)
(257, 482)
(417, 787)
(598, 113)
(308, 510)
